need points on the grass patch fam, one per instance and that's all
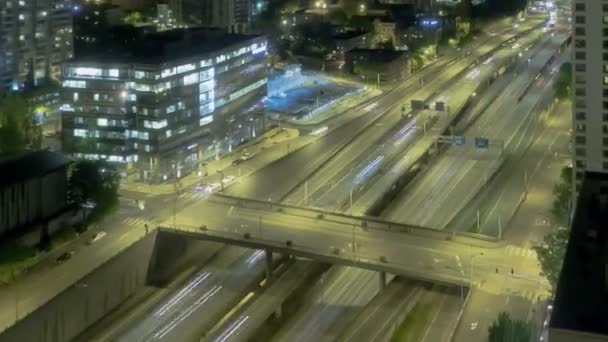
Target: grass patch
(412, 328)
(14, 258)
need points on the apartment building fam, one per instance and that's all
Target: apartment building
(35, 38)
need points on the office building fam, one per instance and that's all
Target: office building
(590, 88)
(581, 300)
(234, 16)
(35, 38)
(164, 102)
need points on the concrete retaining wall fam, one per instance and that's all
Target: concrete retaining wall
(79, 306)
(173, 252)
(157, 257)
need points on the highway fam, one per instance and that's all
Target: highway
(401, 136)
(245, 322)
(338, 296)
(127, 228)
(374, 322)
(201, 301)
(272, 182)
(442, 191)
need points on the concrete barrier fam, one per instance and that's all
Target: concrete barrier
(156, 258)
(82, 304)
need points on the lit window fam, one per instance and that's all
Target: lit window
(206, 120)
(21, 17)
(141, 87)
(113, 73)
(185, 68)
(96, 97)
(190, 79)
(140, 74)
(168, 133)
(132, 97)
(170, 109)
(206, 62)
(80, 132)
(167, 72)
(74, 84)
(155, 124)
(87, 72)
(102, 122)
(75, 97)
(21, 37)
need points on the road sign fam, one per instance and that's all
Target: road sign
(482, 142)
(458, 140)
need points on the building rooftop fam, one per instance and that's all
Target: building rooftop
(379, 55)
(581, 301)
(348, 35)
(136, 45)
(29, 165)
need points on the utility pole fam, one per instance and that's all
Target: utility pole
(499, 227)
(306, 193)
(478, 223)
(351, 201)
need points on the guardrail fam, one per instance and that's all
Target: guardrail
(365, 222)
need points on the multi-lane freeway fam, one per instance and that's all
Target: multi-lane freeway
(340, 158)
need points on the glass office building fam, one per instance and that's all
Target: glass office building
(163, 104)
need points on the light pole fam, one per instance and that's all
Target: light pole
(176, 187)
(221, 173)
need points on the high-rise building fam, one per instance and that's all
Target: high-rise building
(35, 38)
(232, 15)
(590, 88)
(165, 102)
(581, 299)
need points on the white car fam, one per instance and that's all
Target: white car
(213, 187)
(228, 179)
(96, 237)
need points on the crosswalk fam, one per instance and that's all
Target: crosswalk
(134, 221)
(519, 251)
(530, 295)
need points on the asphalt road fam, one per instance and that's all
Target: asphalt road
(278, 180)
(442, 191)
(383, 311)
(192, 309)
(242, 325)
(339, 296)
(122, 230)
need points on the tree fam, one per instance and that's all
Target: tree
(562, 85)
(551, 253)
(562, 200)
(96, 183)
(351, 7)
(18, 129)
(134, 18)
(386, 45)
(505, 329)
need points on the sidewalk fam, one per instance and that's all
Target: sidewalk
(274, 137)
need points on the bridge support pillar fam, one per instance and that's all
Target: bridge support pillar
(268, 264)
(382, 280)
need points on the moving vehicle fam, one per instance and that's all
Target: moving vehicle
(96, 237)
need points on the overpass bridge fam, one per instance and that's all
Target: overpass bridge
(366, 242)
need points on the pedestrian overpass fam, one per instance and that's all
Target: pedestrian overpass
(365, 242)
